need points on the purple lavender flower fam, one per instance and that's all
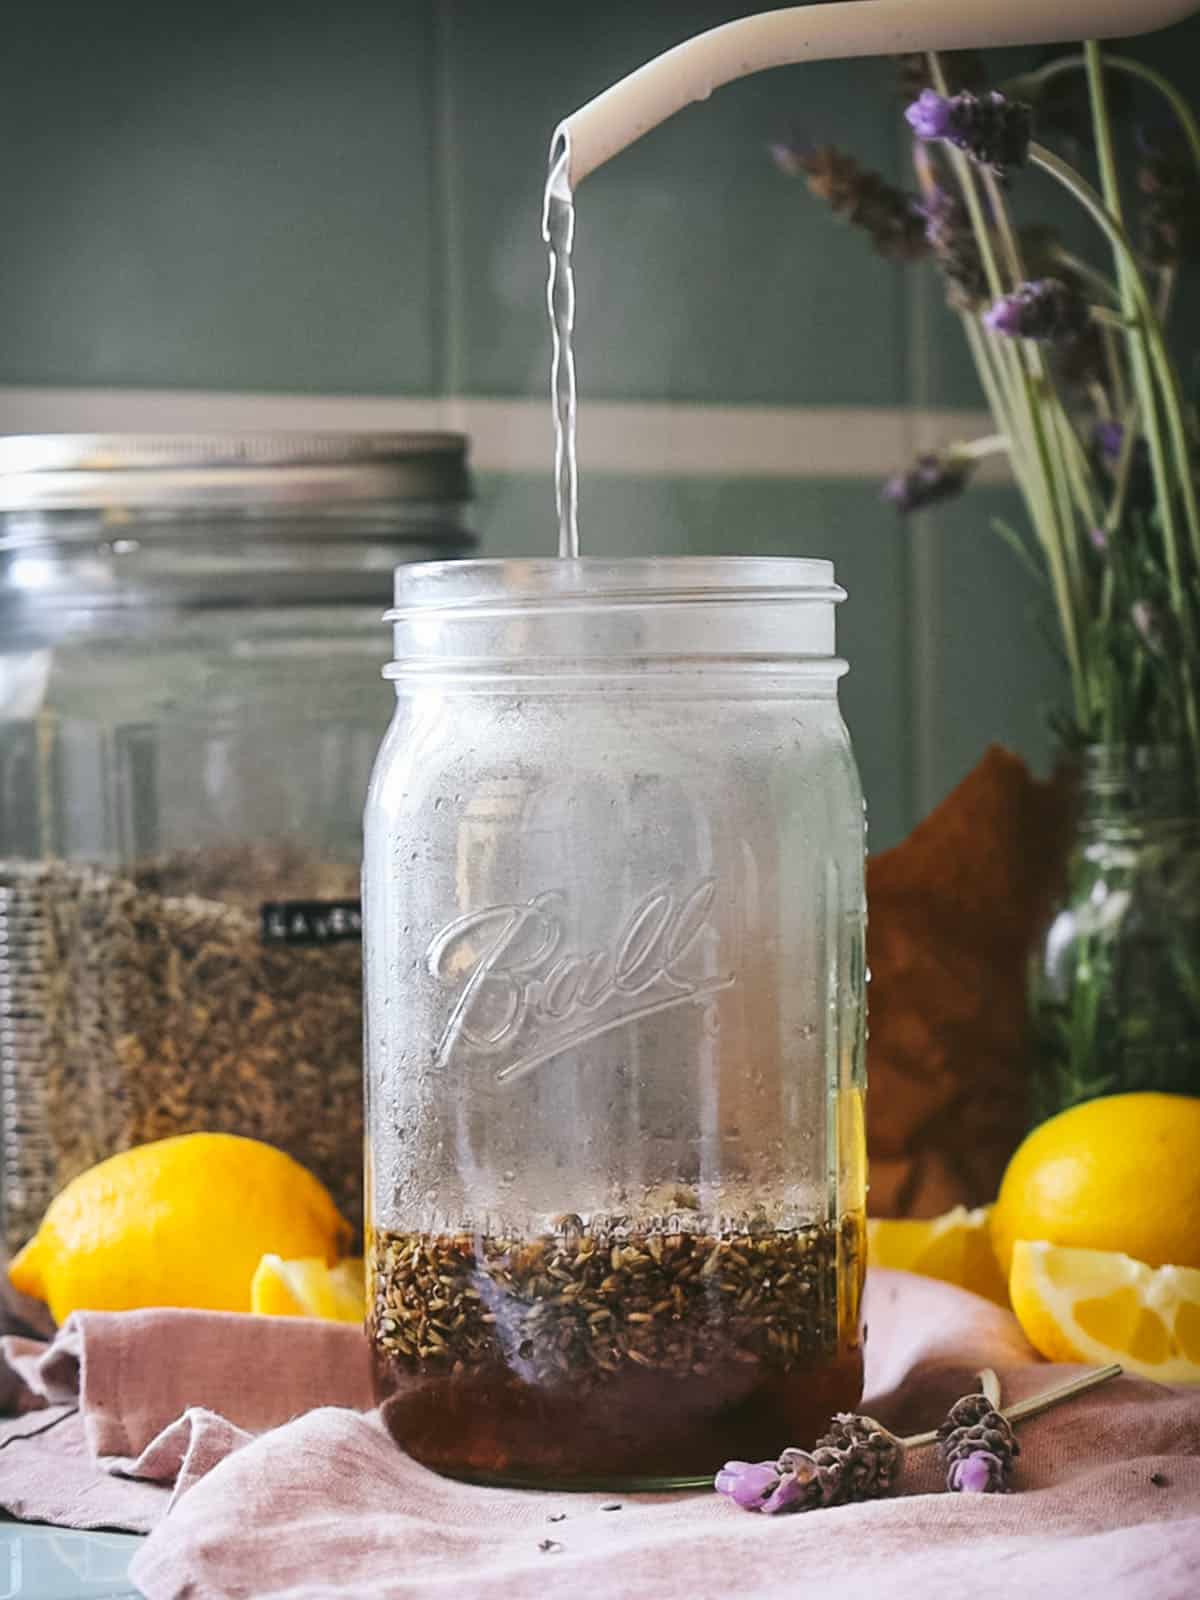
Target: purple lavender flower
(1109, 438)
(931, 478)
(1108, 441)
(787, 157)
(1046, 310)
(748, 1483)
(769, 1486)
(1099, 540)
(993, 130)
(981, 1472)
(931, 116)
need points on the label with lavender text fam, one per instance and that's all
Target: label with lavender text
(310, 921)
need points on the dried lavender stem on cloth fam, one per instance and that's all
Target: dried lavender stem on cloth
(859, 1459)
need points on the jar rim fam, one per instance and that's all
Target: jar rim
(483, 587)
(169, 479)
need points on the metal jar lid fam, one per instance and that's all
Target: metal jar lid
(264, 473)
(186, 520)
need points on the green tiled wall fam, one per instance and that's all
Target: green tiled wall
(700, 272)
(223, 194)
(287, 196)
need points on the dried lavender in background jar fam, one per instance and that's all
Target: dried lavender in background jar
(136, 1007)
(189, 707)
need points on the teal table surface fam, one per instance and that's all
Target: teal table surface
(39, 1563)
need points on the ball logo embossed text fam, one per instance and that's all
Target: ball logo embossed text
(524, 995)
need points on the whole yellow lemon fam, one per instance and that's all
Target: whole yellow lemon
(1119, 1173)
(180, 1222)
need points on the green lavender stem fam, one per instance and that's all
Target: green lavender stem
(1036, 1403)
(1021, 416)
(1149, 358)
(1042, 401)
(1032, 82)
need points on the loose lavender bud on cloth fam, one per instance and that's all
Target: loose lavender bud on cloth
(857, 1459)
(931, 478)
(992, 129)
(978, 1473)
(978, 1446)
(749, 1484)
(1046, 310)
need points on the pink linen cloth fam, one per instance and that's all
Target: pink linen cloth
(172, 1408)
(123, 1411)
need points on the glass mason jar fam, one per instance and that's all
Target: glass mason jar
(189, 708)
(614, 953)
(1115, 981)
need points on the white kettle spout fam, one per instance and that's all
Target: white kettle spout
(692, 70)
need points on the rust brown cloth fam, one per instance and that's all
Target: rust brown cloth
(953, 912)
(325, 1506)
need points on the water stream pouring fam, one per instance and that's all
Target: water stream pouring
(692, 70)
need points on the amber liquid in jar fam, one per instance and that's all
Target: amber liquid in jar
(580, 1360)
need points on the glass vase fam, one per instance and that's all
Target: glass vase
(1115, 980)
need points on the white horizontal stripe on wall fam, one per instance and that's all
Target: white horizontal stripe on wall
(639, 438)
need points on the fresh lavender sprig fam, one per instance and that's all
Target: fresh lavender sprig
(949, 235)
(931, 478)
(992, 129)
(1168, 179)
(893, 220)
(1046, 310)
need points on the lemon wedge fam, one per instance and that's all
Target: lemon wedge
(955, 1247)
(309, 1288)
(1100, 1306)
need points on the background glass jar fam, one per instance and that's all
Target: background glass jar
(614, 923)
(189, 707)
(1115, 980)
